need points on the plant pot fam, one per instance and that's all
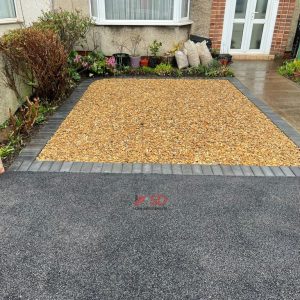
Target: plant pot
(135, 61)
(170, 60)
(297, 74)
(225, 59)
(144, 62)
(153, 61)
(122, 59)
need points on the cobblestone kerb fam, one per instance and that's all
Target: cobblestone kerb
(26, 160)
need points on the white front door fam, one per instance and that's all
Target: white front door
(249, 26)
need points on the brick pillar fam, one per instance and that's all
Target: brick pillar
(216, 22)
(283, 26)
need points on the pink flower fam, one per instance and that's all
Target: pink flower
(85, 64)
(77, 58)
(111, 62)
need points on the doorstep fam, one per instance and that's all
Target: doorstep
(253, 57)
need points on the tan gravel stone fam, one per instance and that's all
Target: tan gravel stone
(169, 121)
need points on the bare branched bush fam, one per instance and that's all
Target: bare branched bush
(37, 57)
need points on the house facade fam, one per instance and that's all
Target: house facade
(245, 28)
(241, 27)
(257, 29)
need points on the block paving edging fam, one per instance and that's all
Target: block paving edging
(26, 161)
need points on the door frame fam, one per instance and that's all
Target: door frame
(271, 17)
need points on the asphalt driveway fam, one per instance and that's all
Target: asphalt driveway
(78, 236)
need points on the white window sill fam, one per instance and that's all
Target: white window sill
(10, 21)
(143, 23)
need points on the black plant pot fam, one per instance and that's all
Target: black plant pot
(122, 59)
(153, 61)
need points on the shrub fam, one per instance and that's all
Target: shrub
(146, 71)
(196, 71)
(39, 59)
(289, 68)
(163, 70)
(71, 27)
(95, 62)
(154, 47)
(214, 69)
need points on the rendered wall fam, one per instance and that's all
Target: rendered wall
(200, 14)
(293, 26)
(27, 12)
(168, 35)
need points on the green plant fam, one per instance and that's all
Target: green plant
(74, 74)
(146, 71)
(163, 70)
(43, 111)
(197, 71)
(71, 27)
(178, 73)
(98, 67)
(4, 125)
(38, 59)
(214, 69)
(154, 47)
(289, 68)
(6, 151)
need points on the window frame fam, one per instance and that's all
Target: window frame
(177, 19)
(11, 20)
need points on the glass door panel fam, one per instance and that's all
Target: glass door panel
(238, 27)
(261, 9)
(240, 9)
(256, 38)
(237, 36)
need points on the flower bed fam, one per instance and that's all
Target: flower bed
(291, 70)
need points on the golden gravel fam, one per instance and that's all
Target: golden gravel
(169, 121)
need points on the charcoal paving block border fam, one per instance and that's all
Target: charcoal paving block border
(27, 157)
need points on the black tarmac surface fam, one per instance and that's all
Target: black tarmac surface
(79, 236)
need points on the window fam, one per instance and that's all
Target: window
(7, 9)
(140, 12)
